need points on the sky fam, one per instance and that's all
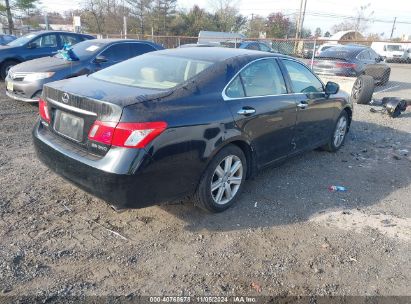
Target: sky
(384, 10)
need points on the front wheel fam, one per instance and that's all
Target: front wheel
(340, 131)
(222, 181)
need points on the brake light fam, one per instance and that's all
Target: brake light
(345, 65)
(126, 134)
(44, 111)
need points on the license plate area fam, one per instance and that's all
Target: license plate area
(9, 86)
(68, 125)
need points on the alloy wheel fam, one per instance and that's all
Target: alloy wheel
(340, 131)
(227, 179)
(357, 88)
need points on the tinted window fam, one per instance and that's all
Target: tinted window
(261, 78)
(153, 71)
(302, 79)
(117, 52)
(49, 40)
(137, 49)
(70, 39)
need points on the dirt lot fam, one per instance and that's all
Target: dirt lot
(288, 235)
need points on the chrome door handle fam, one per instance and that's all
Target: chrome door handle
(246, 111)
(302, 105)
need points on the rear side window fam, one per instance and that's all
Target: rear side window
(302, 79)
(70, 39)
(137, 49)
(261, 78)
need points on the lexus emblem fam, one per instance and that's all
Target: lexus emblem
(65, 98)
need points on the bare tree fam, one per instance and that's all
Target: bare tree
(140, 9)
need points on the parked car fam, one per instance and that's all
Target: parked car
(255, 45)
(323, 47)
(185, 122)
(389, 51)
(35, 45)
(352, 61)
(4, 39)
(406, 57)
(25, 81)
(200, 45)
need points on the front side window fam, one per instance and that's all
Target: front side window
(261, 78)
(117, 52)
(153, 71)
(302, 79)
(137, 49)
(46, 41)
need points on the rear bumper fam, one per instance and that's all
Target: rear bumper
(335, 72)
(124, 177)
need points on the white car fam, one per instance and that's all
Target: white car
(389, 51)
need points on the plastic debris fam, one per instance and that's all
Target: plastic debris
(337, 188)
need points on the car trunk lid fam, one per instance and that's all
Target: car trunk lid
(73, 109)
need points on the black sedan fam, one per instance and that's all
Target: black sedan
(25, 81)
(35, 45)
(352, 61)
(185, 122)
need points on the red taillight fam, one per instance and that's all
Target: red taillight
(44, 111)
(345, 65)
(126, 134)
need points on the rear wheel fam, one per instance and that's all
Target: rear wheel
(363, 89)
(5, 67)
(338, 136)
(222, 181)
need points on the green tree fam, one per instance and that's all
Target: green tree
(13, 8)
(318, 32)
(278, 26)
(255, 26)
(140, 9)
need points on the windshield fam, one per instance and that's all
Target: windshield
(152, 71)
(83, 49)
(22, 40)
(394, 48)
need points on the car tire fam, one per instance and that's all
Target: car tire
(5, 67)
(222, 181)
(339, 133)
(363, 89)
(385, 76)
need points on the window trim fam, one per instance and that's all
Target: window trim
(227, 98)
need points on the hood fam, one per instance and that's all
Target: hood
(44, 64)
(121, 95)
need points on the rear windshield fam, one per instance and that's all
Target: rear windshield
(85, 49)
(153, 71)
(339, 53)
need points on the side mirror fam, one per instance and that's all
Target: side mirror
(332, 88)
(32, 45)
(100, 59)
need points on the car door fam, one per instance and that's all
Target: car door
(113, 54)
(42, 46)
(262, 109)
(315, 111)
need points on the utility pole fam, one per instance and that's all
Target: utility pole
(393, 27)
(9, 16)
(297, 27)
(302, 19)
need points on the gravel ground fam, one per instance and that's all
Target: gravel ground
(287, 235)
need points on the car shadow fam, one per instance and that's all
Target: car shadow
(298, 189)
